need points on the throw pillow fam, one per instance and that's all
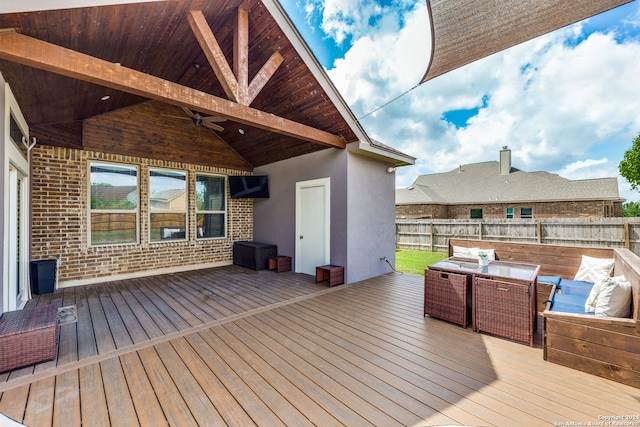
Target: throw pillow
(462, 252)
(590, 304)
(614, 298)
(491, 253)
(594, 269)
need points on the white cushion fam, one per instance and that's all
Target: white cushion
(614, 298)
(590, 304)
(594, 269)
(463, 252)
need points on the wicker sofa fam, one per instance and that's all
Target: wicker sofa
(605, 346)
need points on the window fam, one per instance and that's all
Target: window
(167, 205)
(475, 213)
(526, 212)
(211, 204)
(114, 204)
(509, 213)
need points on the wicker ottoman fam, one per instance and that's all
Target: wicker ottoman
(28, 336)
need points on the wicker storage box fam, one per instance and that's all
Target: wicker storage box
(28, 336)
(447, 296)
(504, 308)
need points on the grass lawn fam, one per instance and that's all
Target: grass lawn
(414, 262)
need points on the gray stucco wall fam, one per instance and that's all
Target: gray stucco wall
(275, 218)
(362, 209)
(371, 219)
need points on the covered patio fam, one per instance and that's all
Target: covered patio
(232, 346)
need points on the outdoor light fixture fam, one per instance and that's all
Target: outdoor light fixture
(241, 131)
(104, 98)
(391, 169)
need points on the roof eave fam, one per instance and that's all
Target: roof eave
(282, 19)
(396, 158)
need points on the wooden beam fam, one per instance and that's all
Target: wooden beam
(236, 84)
(263, 76)
(66, 62)
(241, 54)
(214, 54)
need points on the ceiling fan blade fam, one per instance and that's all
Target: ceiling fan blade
(189, 112)
(176, 117)
(213, 119)
(213, 126)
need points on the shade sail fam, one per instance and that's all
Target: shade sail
(463, 31)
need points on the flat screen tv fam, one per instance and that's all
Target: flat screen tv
(249, 187)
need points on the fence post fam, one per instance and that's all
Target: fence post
(480, 230)
(433, 238)
(539, 231)
(626, 235)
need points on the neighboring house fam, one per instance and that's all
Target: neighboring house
(108, 95)
(497, 190)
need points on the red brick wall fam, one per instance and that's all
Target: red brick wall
(590, 209)
(60, 220)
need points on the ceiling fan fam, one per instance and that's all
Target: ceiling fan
(196, 118)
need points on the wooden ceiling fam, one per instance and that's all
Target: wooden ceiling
(156, 39)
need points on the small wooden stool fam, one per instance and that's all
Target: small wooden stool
(333, 273)
(280, 263)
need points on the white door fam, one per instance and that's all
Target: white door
(312, 225)
(17, 234)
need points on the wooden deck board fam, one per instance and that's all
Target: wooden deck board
(66, 409)
(232, 346)
(39, 410)
(118, 397)
(92, 397)
(143, 395)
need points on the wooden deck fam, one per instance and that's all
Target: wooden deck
(231, 346)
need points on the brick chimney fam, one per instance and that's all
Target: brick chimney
(505, 161)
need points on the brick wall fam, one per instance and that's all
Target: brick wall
(589, 209)
(60, 220)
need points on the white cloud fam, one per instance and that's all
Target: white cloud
(553, 103)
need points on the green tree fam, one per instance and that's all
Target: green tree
(631, 209)
(629, 167)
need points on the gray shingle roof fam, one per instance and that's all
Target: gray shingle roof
(483, 183)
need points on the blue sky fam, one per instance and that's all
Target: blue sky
(567, 102)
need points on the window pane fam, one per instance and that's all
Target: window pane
(210, 193)
(167, 226)
(476, 213)
(112, 228)
(167, 190)
(114, 187)
(210, 225)
(509, 213)
(526, 212)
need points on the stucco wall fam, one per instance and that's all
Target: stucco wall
(362, 209)
(275, 218)
(371, 219)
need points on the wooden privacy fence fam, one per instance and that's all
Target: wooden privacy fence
(434, 234)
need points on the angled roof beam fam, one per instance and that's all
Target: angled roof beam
(235, 83)
(36, 53)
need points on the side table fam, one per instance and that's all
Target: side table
(333, 273)
(280, 263)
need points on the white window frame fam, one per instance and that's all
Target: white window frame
(224, 212)
(170, 211)
(526, 216)
(90, 210)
